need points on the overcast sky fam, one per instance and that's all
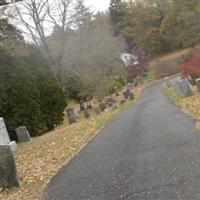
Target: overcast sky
(99, 5)
(95, 5)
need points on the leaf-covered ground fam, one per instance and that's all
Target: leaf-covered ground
(189, 105)
(39, 160)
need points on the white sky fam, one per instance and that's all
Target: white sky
(95, 5)
(99, 5)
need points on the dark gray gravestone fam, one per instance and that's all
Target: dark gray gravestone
(114, 106)
(131, 96)
(87, 114)
(198, 84)
(103, 106)
(122, 102)
(187, 90)
(71, 115)
(8, 172)
(168, 84)
(110, 101)
(82, 105)
(76, 113)
(177, 86)
(98, 111)
(126, 94)
(23, 134)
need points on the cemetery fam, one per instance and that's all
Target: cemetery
(186, 95)
(68, 68)
(54, 148)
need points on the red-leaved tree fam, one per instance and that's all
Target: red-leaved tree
(192, 67)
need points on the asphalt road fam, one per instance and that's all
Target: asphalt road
(149, 152)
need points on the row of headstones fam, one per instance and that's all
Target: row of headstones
(182, 86)
(105, 106)
(8, 172)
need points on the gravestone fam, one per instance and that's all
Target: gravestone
(138, 81)
(129, 86)
(82, 105)
(177, 86)
(198, 84)
(4, 137)
(23, 134)
(98, 111)
(103, 106)
(131, 96)
(110, 101)
(122, 102)
(187, 91)
(8, 172)
(168, 84)
(71, 115)
(76, 113)
(126, 94)
(87, 114)
(88, 103)
(114, 106)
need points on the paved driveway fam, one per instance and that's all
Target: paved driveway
(149, 152)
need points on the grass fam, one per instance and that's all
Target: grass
(189, 105)
(71, 102)
(169, 64)
(40, 159)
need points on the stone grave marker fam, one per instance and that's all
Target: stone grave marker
(177, 86)
(87, 114)
(198, 84)
(131, 96)
(114, 106)
(8, 172)
(126, 94)
(187, 91)
(71, 115)
(76, 113)
(129, 86)
(88, 103)
(4, 137)
(110, 101)
(122, 102)
(82, 105)
(138, 81)
(98, 111)
(168, 84)
(103, 106)
(23, 134)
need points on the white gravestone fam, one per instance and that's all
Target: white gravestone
(4, 137)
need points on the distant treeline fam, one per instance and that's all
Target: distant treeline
(38, 78)
(157, 26)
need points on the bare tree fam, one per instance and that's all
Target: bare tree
(94, 54)
(6, 2)
(38, 15)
